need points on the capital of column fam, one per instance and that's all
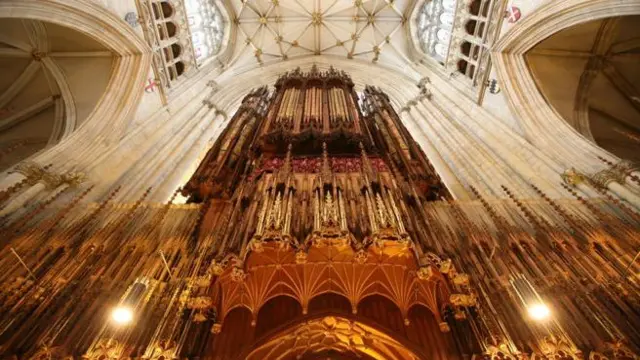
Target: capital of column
(36, 173)
(624, 168)
(31, 170)
(573, 177)
(605, 177)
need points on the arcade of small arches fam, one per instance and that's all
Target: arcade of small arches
(458, 34)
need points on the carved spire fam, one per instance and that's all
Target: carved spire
(326, 172)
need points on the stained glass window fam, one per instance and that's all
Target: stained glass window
(207, 28)
(434, 27)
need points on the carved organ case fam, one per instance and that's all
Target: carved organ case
(307, 161)
(306, 167)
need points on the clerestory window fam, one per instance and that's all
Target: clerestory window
(435, 22)
(206, 24)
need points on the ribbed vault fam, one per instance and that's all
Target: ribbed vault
(44, 95)
(371, 30)
(589, 73)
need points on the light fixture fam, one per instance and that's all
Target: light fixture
(539, 312)
(122, 315)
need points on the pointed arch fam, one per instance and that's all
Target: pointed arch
(543, 126)
(124, 90)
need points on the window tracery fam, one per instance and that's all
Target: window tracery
(207, 28)
(435, 22)
(183, 34)
(474, 42)
(457, 35)
(165, 30)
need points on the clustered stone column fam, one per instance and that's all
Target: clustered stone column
(620, 179)
(36, 179)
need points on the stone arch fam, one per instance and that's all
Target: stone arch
(341, 335)
(542, 124)
(124, 89)
(45, 92)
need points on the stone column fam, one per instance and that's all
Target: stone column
(10, 180)
(21, 199)
(613, 179)
(439, 164)
(43, 180)
(624, 193)
(188, 161)
(628, 174)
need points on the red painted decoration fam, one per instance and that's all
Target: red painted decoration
(512, 14)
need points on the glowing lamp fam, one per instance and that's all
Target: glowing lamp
(539, 311)
(122, 315)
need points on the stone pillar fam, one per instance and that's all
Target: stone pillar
(188, 161)
(442, 168)
(628, 174)
(10, 180)
(21, 199)
(42, 180)
(613, 179)
(624, 193)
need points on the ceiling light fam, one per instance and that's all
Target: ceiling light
(539, 311)
(122, 315)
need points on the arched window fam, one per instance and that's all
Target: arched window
(162, 10)
(207, 28)
(163, 25)
(435, 22)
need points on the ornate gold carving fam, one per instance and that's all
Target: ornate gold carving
(217, 268)
(463, 300)
(573, 177)
(46, 352)
(554, 347)
(605, 177)
(461, 279)
(446, 267)
(30, 170)
(444, 327)
(301, 257)
(360, 256)
(624, 168)
(74, 178)
(200, 302)
(619, 350)
(427, 273)
(256, 245)
(501, 352)
(162, 350)
(238, 275)
(34, 173)
(332, 333)
(105, 349)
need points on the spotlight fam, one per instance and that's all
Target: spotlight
(122, 315)
(539, 311)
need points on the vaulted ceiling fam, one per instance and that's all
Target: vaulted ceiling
(52, 77)
(276, 30)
